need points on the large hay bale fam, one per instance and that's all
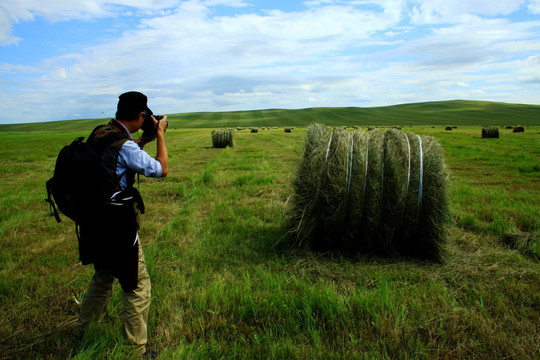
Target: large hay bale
(222, 138)
(490, 132)
(449, 128)
(254, 130)
(288, 129)
(370, 192)
(518, 128)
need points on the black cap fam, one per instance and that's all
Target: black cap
(133, 101)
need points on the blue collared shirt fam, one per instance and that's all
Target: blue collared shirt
(132, 157)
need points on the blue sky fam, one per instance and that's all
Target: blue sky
(70, 59)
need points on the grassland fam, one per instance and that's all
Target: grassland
(223, 290)
(439, 113)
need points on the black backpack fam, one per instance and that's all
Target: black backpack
(79, 186)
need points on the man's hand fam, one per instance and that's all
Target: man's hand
(159, 125)
(162, 123)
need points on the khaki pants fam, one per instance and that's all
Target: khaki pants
(136, 304)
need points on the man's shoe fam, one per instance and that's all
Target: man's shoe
(149, 354)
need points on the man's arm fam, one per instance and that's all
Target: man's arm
(161, 152)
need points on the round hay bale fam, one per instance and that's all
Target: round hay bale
(518, 129)
(288, 130)
(254, 130)
(222, 138)
(509, 127)
(370, 192)
(490, 132)
(448, 128)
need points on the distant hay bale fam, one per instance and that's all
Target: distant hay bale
(288, 130)
(454, 127)
(254, 130)
(518, 128)
(509, 127)
(222, 138)
(370, 192)
(490, 132)
(448, 128)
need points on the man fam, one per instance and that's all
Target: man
(109, 238)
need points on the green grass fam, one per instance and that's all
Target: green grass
(440, 113)
(223, 290)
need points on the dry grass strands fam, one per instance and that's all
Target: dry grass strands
(222, 138)
(490, 132)
(522, 242)
(518, 128)
(370, 192)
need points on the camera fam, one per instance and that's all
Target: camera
(148, 125)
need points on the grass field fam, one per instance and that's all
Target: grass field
(439, 113)
(221, 289)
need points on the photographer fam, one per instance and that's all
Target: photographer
(109, 238)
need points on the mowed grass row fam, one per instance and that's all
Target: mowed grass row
(222, 289)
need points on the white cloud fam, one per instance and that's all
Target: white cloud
(15, 11)
(530, 70)
(534, 6)
(26, 10)
(188, 57)
(6, 23)
(15, 68)
(457, 11)
(469, 44)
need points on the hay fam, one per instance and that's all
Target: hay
(370, 192)
(449, 128)
(288, 130)
(490, 132)
(222, 138)
(518, 128)
(254, 130)
(522, 242)
(509, 127)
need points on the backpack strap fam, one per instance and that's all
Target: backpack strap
(52, 205)
(102, 137)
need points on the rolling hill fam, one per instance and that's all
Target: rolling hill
(455, 112)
